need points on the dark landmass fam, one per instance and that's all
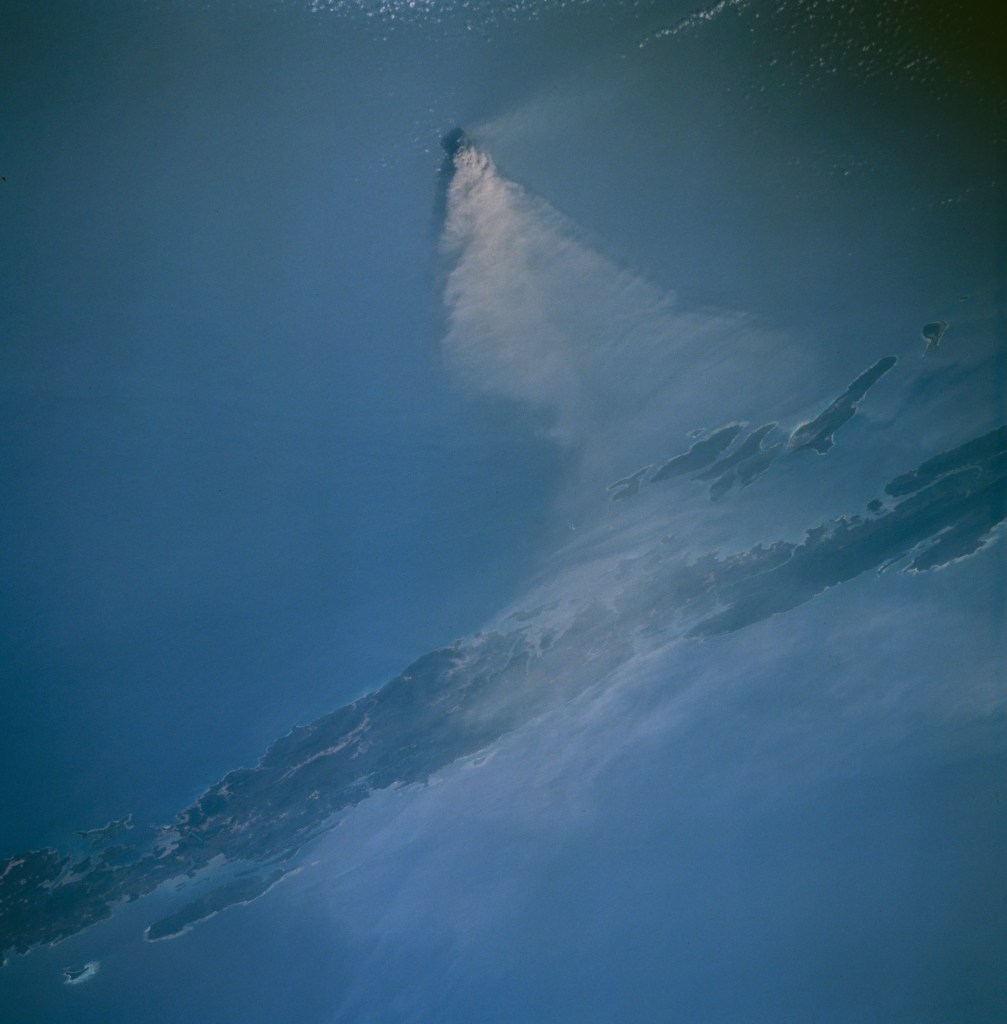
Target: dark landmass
(750, 459)
(460, 699)
(722, 485)
(745, 450)
(452, 702)
(747, 471)
(932, 334)
(745, 463)
(108, 832)
(978, 451)
(954, 502)
(701, 454)
(818, 434)
(754, 467)
(241, 890)
(117, 854)
(628, 485)
(78, 975)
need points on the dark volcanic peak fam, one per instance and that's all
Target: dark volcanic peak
(453, 143)
(455, 140)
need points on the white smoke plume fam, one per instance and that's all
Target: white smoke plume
(538, 315)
